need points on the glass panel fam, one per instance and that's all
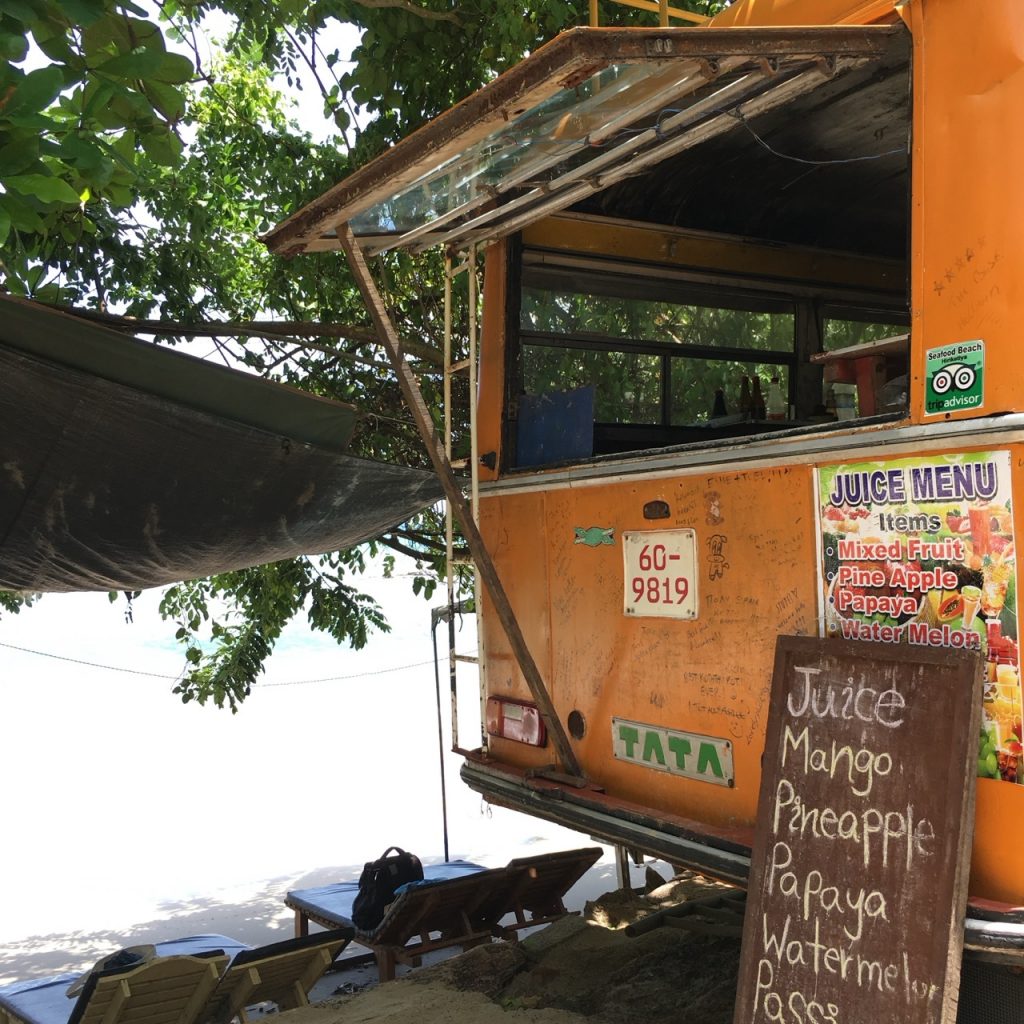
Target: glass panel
(844, 333)
(552, 136)
(695, 381)
(643, 319)
(627, 384)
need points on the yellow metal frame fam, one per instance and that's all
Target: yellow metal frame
(661, 8)
(452, 367)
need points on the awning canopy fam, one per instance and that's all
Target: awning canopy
(595, 107)
(126, 465)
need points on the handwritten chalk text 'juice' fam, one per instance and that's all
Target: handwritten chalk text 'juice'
(973, 481)
(822, 698)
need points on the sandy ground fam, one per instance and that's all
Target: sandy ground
(583, 968)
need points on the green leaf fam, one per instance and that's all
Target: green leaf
(96, 96)
(140, 64)
(5, 225)
(36, 91)
(43, 187)
(40, 122)
(56, 46)
(166, 99)
(13, 46)
(162, 147)
(22, 216)
(86, 156)
(83, 12)
(174, 68)
(22, 10)
(127, 109)
(122, 152)
(102, 32)
(19, 154)
(121, 197)
(139, 32)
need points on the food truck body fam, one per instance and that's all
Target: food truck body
(750, 366)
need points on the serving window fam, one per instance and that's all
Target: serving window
(609, 361)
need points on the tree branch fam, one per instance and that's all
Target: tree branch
(279, 329)
(398, 546)
(411, 8)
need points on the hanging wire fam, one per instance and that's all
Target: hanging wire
(262, 686)
(801, 160)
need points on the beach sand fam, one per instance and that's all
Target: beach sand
(582, 968)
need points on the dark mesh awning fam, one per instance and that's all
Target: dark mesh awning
(125, 465)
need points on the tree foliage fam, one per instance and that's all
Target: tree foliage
(138, 172)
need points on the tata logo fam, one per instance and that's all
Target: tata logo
(689, 754)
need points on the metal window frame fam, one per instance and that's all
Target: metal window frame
(809, 305)
(786, 60)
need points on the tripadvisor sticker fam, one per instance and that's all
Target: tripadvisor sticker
(954, 377)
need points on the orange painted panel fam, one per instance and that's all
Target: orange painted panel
(997, 860)
(757, 578)
(968, 163)
(805, 12)
(756, 564)
(513, 529)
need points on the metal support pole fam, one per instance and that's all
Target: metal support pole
(460, 507)
(474, 468)
(434, 616)
(449, 535)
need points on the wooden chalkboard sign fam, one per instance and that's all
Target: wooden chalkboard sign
(858, 881)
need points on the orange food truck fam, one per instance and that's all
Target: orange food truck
(749, 365)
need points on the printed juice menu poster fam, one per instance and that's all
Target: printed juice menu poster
(921, 551)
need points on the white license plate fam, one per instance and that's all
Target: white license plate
(660, 574)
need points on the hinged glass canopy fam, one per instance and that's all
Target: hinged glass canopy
(589, 109)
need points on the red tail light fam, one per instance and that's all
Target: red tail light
(516, 720)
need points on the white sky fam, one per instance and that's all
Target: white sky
(119, 800)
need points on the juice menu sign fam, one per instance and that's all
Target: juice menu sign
(920, 551)
(858, 873)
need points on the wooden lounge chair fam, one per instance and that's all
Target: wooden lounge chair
(437, 915)
(542, 882)
(457, 904)
(434, 920)
(203, 979)
(165, 990)
(282, 973)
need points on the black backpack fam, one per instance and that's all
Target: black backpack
(378, 882)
